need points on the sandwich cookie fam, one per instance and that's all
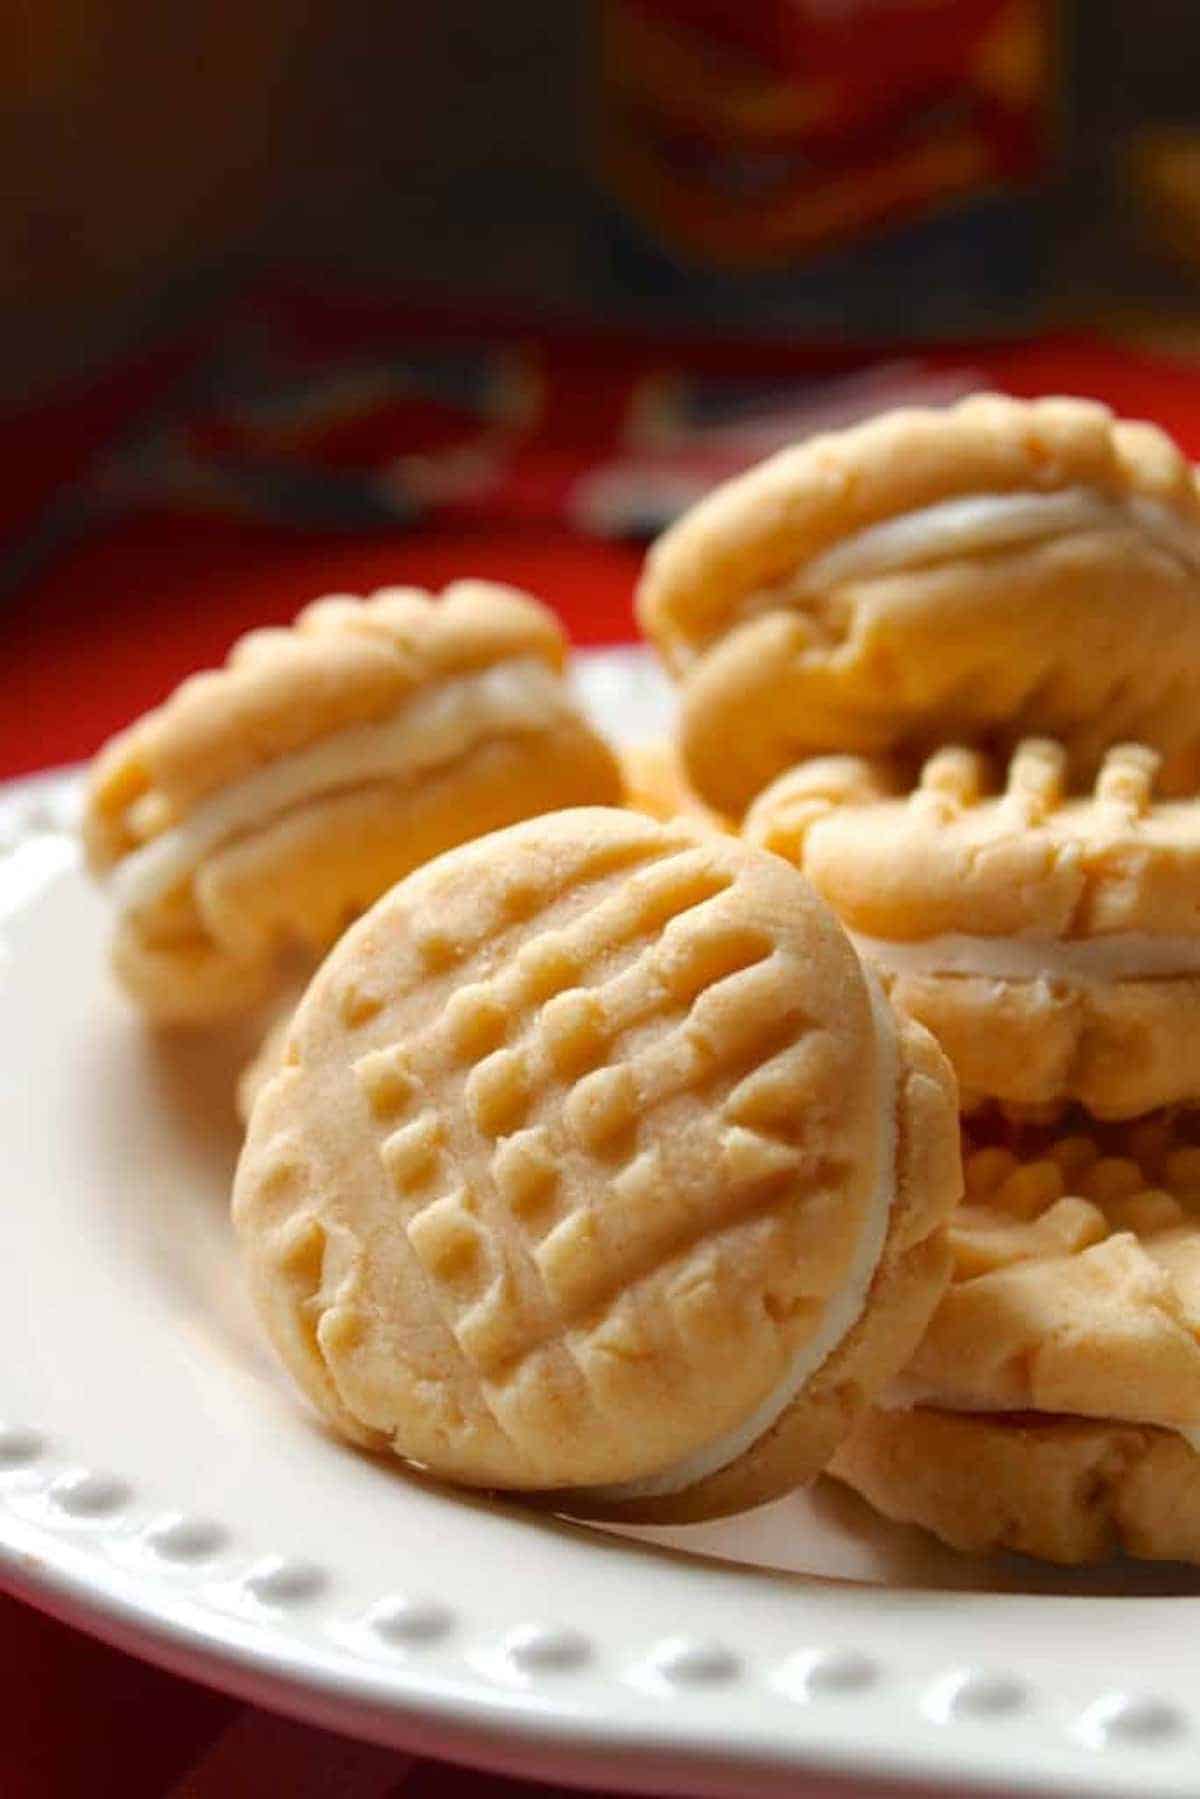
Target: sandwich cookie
(1050, 940)
(597, 1168)
(1053, 1406)
(269, 802)
(999, 569)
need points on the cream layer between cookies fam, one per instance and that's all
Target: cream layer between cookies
(974, 524)
(841, 1314)
(1121, 956)
(433, 728)
(909, 1396)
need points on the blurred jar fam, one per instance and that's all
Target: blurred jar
(139, 144)
(799, 153)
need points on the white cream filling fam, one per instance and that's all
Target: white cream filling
(973, 524)
(1123, 956)
(908, 1396)
(434, 727)
(841, 1314)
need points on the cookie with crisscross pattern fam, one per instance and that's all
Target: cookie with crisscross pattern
(1047, 935)
(594, 1164)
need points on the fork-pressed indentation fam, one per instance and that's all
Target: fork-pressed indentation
(497, 1092)
(574, 1031)
(749, 1158)
(475, 1021)
(785, 1077)
(522, 896)
(491, 1332)
(696, 952)
(741, 1014)
(642, 907)
(439, 949)
(411, 1154)
(525, 1172)
(602, 1106)
(299, 1253)
(569, 1259)
(357, 1005)
(451, 1248)
(544, 967)
(955, 775)
(550, 970)
(734, 1025)
(1127, 777)
(653, 1215)
(282, 1178)
(1035, 785)
(387, 1082)
(528, 1271)
(669, 888)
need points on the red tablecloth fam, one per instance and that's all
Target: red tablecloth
(103, 632)
(115, 620)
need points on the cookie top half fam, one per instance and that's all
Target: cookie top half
(344, 664)
(580, 1158)
(786, 532)
(967, 847)
(1077, 1279)
(1002, 566)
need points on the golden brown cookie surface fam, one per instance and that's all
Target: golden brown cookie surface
(1048, 938)
(1076, 1282)
(268, 802)
(1053, 1405)
(931, 575)
(1067, 1490)
(586, 1139)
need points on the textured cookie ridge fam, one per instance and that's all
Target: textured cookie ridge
(620, 1129)
(344, 661)
(913, 850)
(760, 528)
(266, 804)
(931, 576)
(1076, 1283)
(598, 1106)
(1045, 931)
(1051, 1407)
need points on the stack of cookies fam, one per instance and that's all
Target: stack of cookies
(947, 665)
(613, 1155)
(592, 1164)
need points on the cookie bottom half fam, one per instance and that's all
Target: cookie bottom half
(1119, 1049)
(1066, 1490)
(297, 883)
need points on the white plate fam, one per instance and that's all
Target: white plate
(160, 1486)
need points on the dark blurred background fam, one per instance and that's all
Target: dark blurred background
(304, 294)
(756, 165)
